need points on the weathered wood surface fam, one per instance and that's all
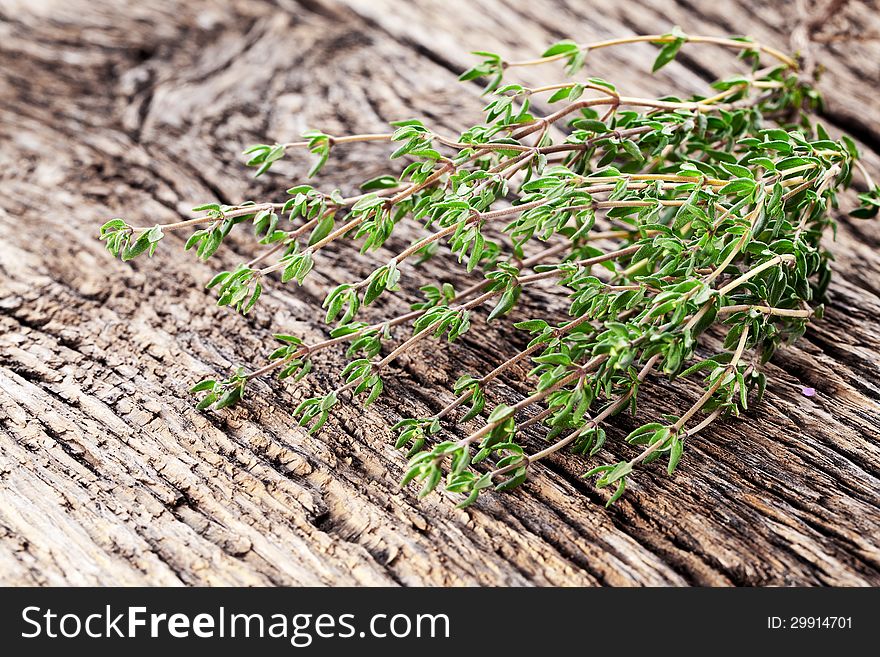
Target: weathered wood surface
(109, 476)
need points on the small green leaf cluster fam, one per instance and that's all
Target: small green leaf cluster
(573, 54)
(319, 145)
(453, 321)
(263, 156)
(296, 265)
(206, 241)
(435, 295)
(375, 221)
(240, 288)
(122, 243)
(315, 208)
(669, 49)
(473, 387)
(491, 67)
(293, 356)
(220, 394)
(384, 278)
(415, 140)
(869, 204)
(363, 375)
(315, 411)
(346, 297)
(412, 433)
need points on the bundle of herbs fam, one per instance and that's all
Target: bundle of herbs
(663, 219)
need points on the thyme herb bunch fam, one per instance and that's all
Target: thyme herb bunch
(664, 220)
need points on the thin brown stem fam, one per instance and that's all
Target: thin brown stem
(609, 410)
(587, 262)
(661, 38)
(400, 319)
(347, 139)
(507, 364)
(767, 310)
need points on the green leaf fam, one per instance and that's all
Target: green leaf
(377, 285)
(207, 384)
(532, 325)
(138, 247)
(559, 94)
(675, 455)
(632, 149)
(869, 204)
(738, 171)
(194, 239)
(257, 148)
(505, 303)
(619, 471)
(323, 154)
(219, 278)
(206, 401)
(329, 401)
(566, 46)
(621, 487)
(323, 228)
(112, 226)
(229, 398)
(255, 295)
(499, 413)
(739, 187)
(375, 391)
(669, 50)
(644, 430)
(430, 482)
(380, 182)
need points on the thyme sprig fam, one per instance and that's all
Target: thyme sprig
(686, 234)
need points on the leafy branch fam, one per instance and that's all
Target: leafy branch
(686, 234)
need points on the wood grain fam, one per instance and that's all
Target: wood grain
(109, 476)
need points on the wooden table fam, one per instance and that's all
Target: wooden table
(108, 475)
